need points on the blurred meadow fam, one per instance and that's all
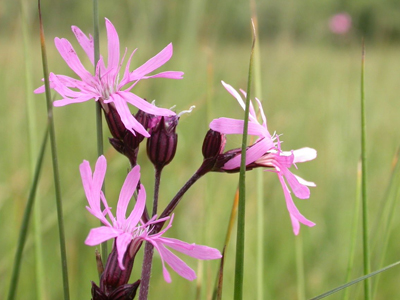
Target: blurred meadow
(311, 94)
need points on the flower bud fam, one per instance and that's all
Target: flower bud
(161, 145)
(124, 141)
(113, 277)
(213, 144)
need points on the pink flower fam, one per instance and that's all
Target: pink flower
(266, 152)
(106, 84)
(126, 229)
(340, 23)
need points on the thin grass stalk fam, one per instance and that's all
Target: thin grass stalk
(55, 161)
(365, 277)
(239, 264)
(259, 172)
(366, 260)
(33, 149)
(217, 293)
(99, 122)
(389, 221)
(354, 230)
(25, 221)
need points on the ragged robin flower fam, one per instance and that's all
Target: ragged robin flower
(130, 229)
(106, 85)
(266, 152)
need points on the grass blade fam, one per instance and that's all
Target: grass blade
(259, 172)
(55, 160)
(217, 294)
(366, 260)
(25, 221)
(365, 277)
(354, 230)
(99, 122)
(392, 204)
(239, 266)
(33, 150)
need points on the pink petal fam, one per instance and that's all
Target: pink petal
(145, 106)
(123, 240)
(126, 116)
(305, 182)
(193, 250)
(253, 153)
(101, 234)
(86, 175)
(113, 46)
(295, 224)
(137, 211)
(157, 246)
(262, 114)
(153, 63)
(235, 94)
(301, 191)
(127, 191)
(176, 264)
(167, 74)
(234, 126)
(71, 58)
(85, 42)
(99, 174)
(291, 207)
(304, 154)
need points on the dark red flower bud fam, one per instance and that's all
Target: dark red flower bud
(123, 292)
(113, 276)
(161, 145)
(213, 144)
(124, 141)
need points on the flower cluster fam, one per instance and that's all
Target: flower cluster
(158, 125)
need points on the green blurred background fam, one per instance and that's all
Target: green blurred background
(311, 93)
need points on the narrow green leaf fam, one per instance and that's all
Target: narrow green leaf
(33, 150)
(365, 277)
(217, 293)
(25, 221)
(354, 230)
(55, 160)
(391, 202)
(366, 260)
(239, 266)
(99, 122)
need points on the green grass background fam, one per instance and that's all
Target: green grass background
(311, 94)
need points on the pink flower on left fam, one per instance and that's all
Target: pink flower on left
(106, 86)
(126, 229)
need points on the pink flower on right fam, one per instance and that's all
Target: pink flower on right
(340, 23)
(266, 152)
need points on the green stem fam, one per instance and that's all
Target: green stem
(99, 121)
(366, 260)
(32, 135)
(354, 231)
(239, 263)
(55, 161)
(300, 268)
(25, 221)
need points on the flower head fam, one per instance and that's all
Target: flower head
(340, 23)
(106, 86)
(266, 152)
(127, 229)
